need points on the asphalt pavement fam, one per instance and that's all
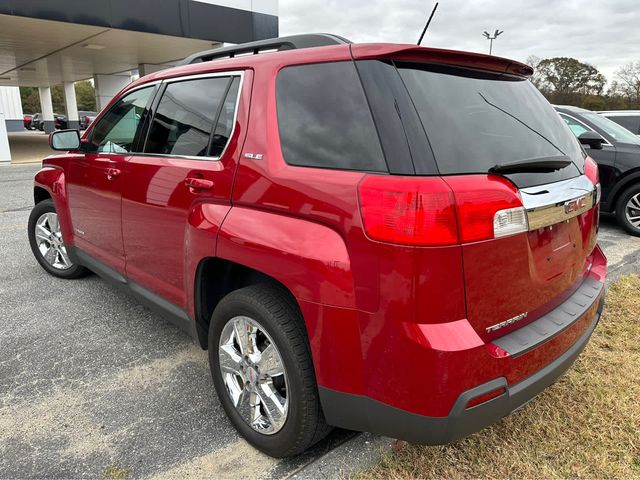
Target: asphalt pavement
(92, 384)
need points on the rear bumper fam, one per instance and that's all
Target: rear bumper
(356, 412)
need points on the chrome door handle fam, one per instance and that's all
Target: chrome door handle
(195, 184)
(112, 173)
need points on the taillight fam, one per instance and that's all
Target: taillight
(488, 207)
(436, 211)
(592, 172)
(408, 210)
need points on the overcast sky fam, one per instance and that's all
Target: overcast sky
(605, 33)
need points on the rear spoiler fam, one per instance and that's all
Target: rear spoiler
(367, 51)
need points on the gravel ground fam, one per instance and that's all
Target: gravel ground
(92, 384)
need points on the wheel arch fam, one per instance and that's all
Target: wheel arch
(50, 182)
(629, 179)
(40, 194)
(217, 277)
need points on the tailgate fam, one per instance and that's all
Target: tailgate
(512, 281)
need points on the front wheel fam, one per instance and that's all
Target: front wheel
(47, 244)
(261, 367)
(628, 210)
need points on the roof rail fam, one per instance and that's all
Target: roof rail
(251, 48)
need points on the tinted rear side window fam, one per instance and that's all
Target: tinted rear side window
(476, 120)
(185, 116)
(324, 119)
(630, 122)
(226, 118)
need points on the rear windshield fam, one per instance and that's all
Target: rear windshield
(478, 120)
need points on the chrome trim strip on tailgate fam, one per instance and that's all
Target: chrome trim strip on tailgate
(556, 202)
(557, 320)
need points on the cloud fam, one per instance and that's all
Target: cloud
(605, 34)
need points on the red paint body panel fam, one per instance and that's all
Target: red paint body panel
(435, 55)
(95, 205)
(52, 178)
(401, 324)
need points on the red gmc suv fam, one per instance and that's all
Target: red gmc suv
(378, 237)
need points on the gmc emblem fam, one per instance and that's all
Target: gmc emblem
(573, 205)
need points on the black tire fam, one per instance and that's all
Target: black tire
(75, 271)
(276, 311)
(621, 209)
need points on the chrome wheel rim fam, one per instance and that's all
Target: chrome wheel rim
(632, 210)
(254, 375)
(50, 243)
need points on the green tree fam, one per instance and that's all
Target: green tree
(30, 100)
(86, 96)
(567, 78)
(593, 102)
(57, 99)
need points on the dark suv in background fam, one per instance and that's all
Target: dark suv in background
(617, 151)
(629, 119)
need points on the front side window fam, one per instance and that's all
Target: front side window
(324, 119)
(611, 128)
(185, 117)
(116, 131)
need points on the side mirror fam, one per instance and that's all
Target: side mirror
(64, 140)
(593, 139)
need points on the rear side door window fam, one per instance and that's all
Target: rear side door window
(194, 118)
(324, 119)
(630, 122)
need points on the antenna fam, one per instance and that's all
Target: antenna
(428, 22)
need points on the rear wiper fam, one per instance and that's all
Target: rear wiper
(544, 164)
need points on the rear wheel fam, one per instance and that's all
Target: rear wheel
(628, 210)
(261, 366)
(47, 243)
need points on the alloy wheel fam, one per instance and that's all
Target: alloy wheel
(50, 243)
(254, 374)
(632, 210)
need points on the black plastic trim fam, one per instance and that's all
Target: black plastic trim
(553, 323)
(166, 309)
(292, 42)
(356, 412)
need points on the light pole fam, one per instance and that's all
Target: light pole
(491, 38)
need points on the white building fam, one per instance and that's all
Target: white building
(107, 39)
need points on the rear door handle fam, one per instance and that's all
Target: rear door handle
(195, 184)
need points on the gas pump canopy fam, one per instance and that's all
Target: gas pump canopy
(51, 42)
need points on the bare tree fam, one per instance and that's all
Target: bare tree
(629, 81)
(536, 78)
